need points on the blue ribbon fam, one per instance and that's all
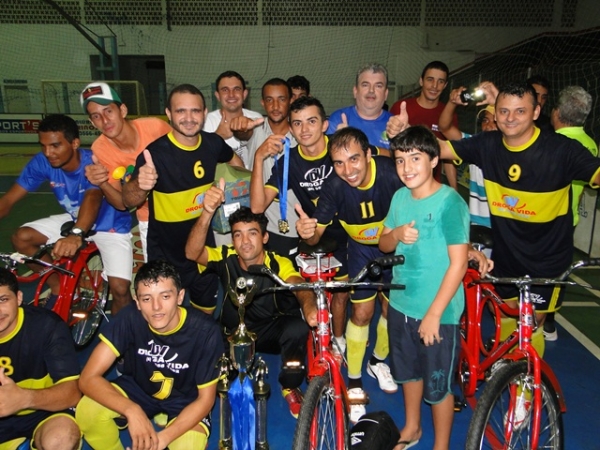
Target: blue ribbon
(243, 413)
(283, 184)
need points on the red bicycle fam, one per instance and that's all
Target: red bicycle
(83, 291)
(522, 404)
(323, 422)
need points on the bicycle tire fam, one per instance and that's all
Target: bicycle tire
(89, 300)
(316, 427)
(487, 427)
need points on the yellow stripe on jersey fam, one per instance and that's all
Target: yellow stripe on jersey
(535, 207)
(367, 233)
(179, 206)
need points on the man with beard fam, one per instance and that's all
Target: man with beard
(173, 174)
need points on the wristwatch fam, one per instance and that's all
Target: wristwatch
(77, 232)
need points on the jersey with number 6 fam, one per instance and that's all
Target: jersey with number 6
(184, 175)
(167, 365)
(529, 195)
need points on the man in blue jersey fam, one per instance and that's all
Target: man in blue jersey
(367, 114)
(62, 163)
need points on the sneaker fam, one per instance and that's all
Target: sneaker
(381, 372)
(522, 410)
(338, 346)
(294, 399)
(550, 333)
(357, 398)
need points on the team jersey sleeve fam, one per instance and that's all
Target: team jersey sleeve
(582, 164)
(226, 152)
(34, 173)
(216, 260)
(286, 268)
(327, 206)
(59, 353)
(469, 150)
(212, 348)
(118, 333)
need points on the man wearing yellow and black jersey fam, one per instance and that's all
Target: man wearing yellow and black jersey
(359, 196)
(38, 374)
(275, 318)
(528, 174)
(174, 173)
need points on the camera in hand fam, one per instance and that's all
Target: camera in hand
(472, 97)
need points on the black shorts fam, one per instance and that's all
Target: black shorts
(411, 360)
(358, 256)
(544, 298)
(172, 407)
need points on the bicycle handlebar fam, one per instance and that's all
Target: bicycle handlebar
(560, 280)
(24, 259)
(373, 268)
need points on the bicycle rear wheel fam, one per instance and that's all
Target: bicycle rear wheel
(89, 300)
(317, 421)
(489, 429)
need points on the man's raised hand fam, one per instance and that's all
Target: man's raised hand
(214, 197)
(147, 175)
(243, 123)
(343, 123)
(96, 173)
(398, 123)
(272, 146)
(305, 226)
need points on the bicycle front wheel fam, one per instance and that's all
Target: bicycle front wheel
(504, 413)
(89, 300)
(318, 421)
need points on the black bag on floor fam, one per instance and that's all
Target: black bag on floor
(374, 431)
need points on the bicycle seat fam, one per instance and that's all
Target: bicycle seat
(324, 246)
(481, 235)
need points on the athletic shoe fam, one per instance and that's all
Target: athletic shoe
(550, 333)
(294, 399)
(381, 372)
(358, 399)
(522, 411)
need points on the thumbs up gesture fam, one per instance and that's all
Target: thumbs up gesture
(214, 197)
(398, 123)
(11, 399)
(407, 233)
(305, 226)
(243, 124)
(147, 175)
(343, 123)
(96, 173)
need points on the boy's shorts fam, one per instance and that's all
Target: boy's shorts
(24, 426)
(411, 360)
(172, 407)
(358, 257)
(115, 249)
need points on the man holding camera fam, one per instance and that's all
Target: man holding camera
(427, 108)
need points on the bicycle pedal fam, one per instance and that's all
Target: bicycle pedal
(459, 404)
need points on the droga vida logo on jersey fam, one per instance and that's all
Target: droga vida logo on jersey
(160, 357)
(369, 234)
(511, 204)
(197, 204)
(316, 177)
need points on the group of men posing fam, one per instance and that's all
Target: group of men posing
(338, 183)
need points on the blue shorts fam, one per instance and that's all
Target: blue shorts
(172, 407)
(358, 257)
(411, 360)
(24, 426)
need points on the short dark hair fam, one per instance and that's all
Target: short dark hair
(439, 65)
(230, 74)
(299, 82)
(156, 269)
(574, 106)
(372, 67)
(276, 82)
(539, 79)
(9, 279)
(343, 137)
(416, 138)
(60, 123)
(518, 90)
(185, 89)
(304, 102)
(245, 215)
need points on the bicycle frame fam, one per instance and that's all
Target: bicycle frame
(476, 360)
(320, 360)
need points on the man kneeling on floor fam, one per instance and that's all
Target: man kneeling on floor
(170, 369)
(275, 318)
